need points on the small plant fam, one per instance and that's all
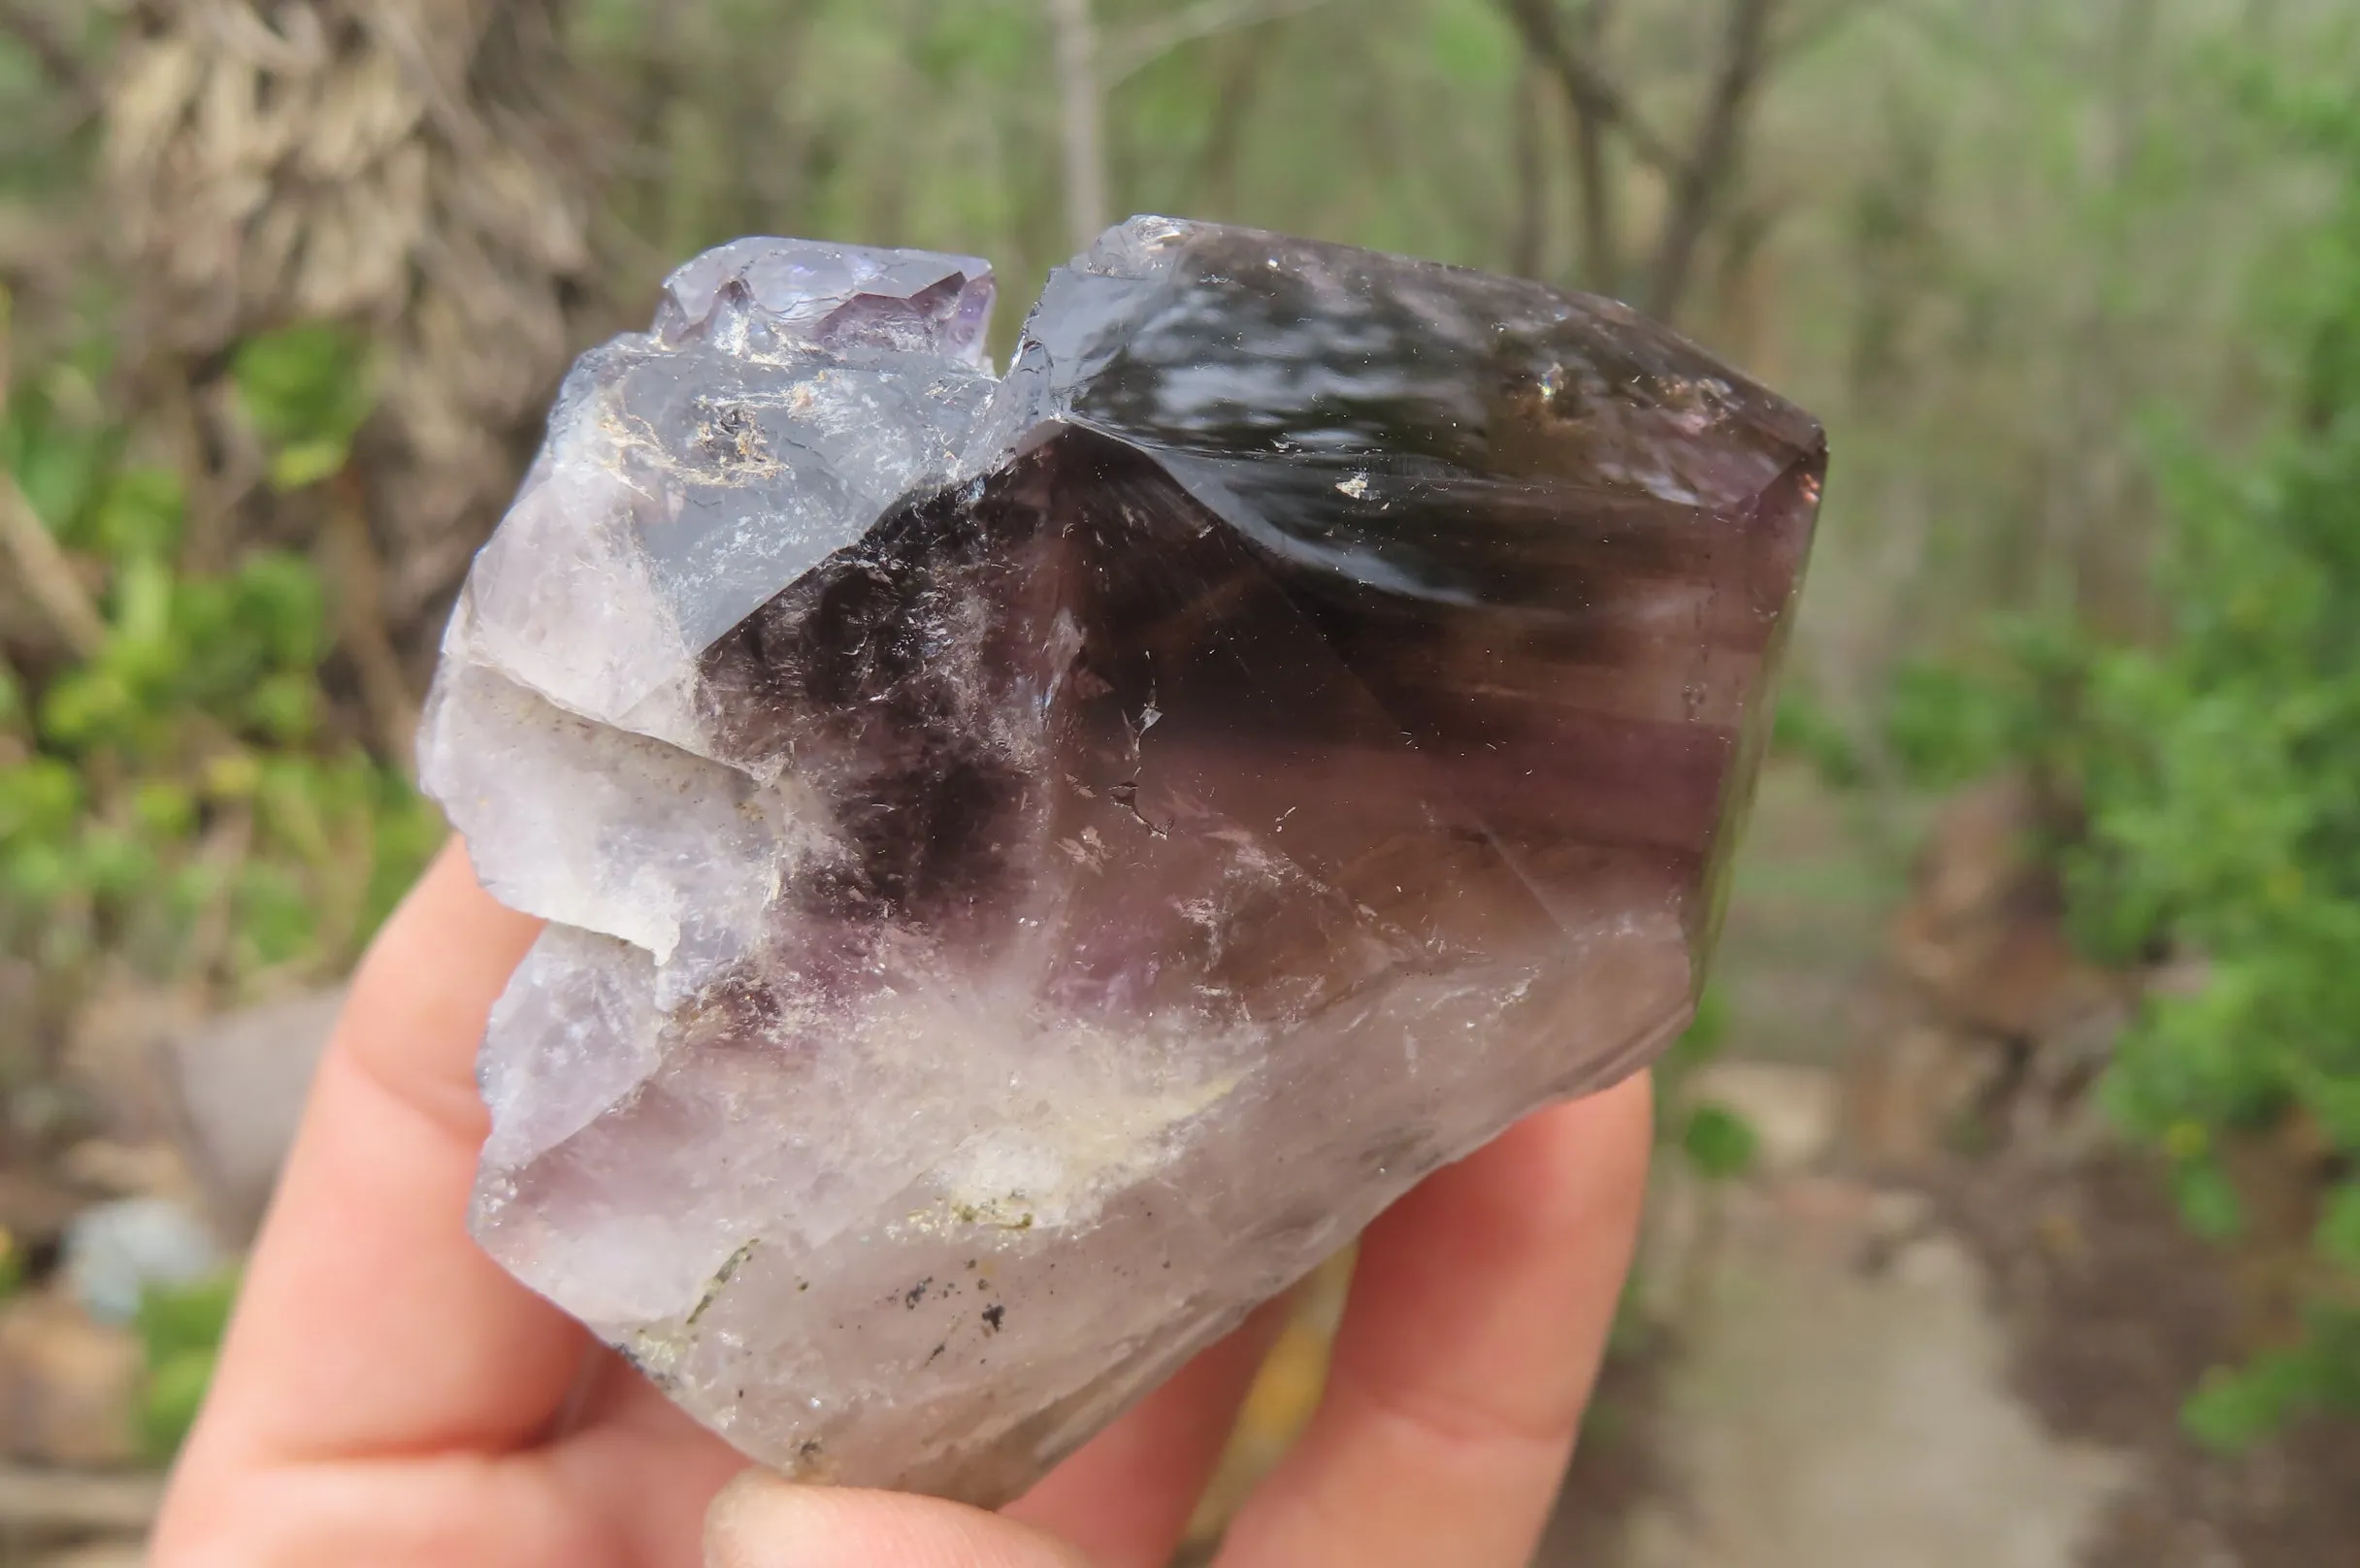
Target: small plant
(182, 795)
(2218, 776)
(1806, 731)
(2222, 775)
(180, 1330)
(1718, 1143)
(2212, 787)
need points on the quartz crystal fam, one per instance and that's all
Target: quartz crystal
(1034, 863)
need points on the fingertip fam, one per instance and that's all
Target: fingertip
(760, 1520)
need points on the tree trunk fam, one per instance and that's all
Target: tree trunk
(1082, 98)
(1710, 169)
(1601, 242)
(1528, 240)
(403, 166)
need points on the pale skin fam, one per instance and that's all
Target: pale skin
(389, 1398)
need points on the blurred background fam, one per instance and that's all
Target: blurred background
(2009, 1213)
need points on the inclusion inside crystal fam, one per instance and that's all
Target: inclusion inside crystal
(1035, 863)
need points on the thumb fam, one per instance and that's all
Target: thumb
(762, 1522)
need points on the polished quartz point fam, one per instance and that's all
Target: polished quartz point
(1035, 863)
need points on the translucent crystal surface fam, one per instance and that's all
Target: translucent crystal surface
(1034, 863)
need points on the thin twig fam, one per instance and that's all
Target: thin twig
(1082, 99)
(1531, 237)
(1129, 53)
(46, 575)
(1696, 192)
(1215, 171)
(1601, 227)
(223, 852)
(360, 593)
(1587, 87)
(395, 30)
(39, 33)
(25, 540)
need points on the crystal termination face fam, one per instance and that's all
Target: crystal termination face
(1034, 863)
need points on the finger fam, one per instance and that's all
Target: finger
(1125, 1497)
(761, 1521)
(370, 1322)
(1478, 1312)
(629, 1491)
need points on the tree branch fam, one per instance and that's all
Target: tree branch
(1215, 171)
(1589, 89)
(1132, 52)
(1601, 236)
(1700, 183)
(41, 568)
(47, 576)
(1082, 99)
(360, 623)
(42, 39)
(1529, 241)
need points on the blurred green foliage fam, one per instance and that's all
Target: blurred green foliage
(1804, 728)
(181, 796)
(2221, 778)
(307, 389)
(1718, 1142)
(2220, 774)
(2211, 778)
(180, 1330)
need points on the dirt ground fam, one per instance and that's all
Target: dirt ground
(2116, 1311)
(2071, 1316)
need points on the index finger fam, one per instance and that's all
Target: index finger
(371, 1323)
(1479, 1310)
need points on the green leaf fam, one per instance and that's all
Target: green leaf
(1943, 726)
(164, 809)
(1470, 43)
(39, 799)
(279, 603)
(39, 874)
(142, 514)
(285, 708)
(2207, 1202)
(2233, 1409)
(1707, 1033)
(1719, 1142)
(307, 463)
(87, 708)
(2338, 1237)
(116, 865)
(1806, 731)
(172, 1400)
(143, 652)
(276, 922)
(60, 469)
(306, 385)
(173, 1319)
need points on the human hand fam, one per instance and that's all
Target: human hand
(388, 1397)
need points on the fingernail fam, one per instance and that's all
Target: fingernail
(762, 1522)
